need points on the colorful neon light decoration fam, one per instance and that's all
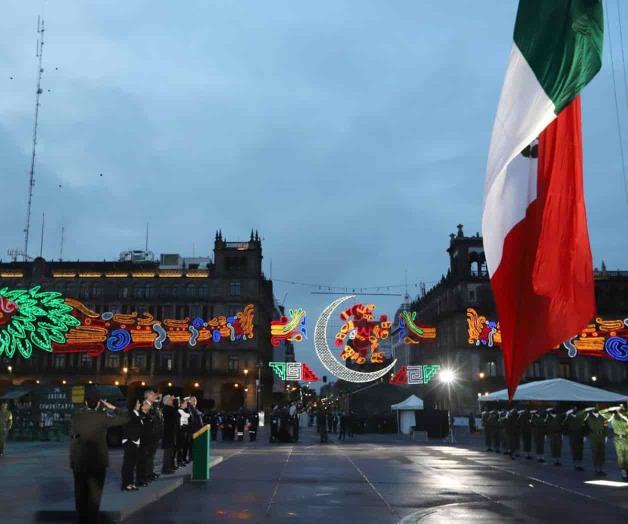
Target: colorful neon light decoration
(420, 374)
(363, 334)
(49, 322)
(30, 318)
(601, 338)
(290, 328)
(293, 371)
(483, 332)
(410, 332)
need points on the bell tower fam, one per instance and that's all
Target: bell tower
(466, 256)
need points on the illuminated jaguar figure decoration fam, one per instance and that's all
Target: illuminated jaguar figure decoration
(362, 334)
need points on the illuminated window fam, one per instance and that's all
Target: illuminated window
(565, 370)
(491, 369)
(112, 361)
(167, 362)
(58, 361)
(234, 288)
(233, 363)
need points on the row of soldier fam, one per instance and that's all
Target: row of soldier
(522, 430)
(234, 425)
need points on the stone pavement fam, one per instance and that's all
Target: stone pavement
(384, 479)
(38, 485)
(368, 479)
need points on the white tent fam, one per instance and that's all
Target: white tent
(556, 390)
(405, 413)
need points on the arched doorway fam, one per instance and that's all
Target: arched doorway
(231, 396)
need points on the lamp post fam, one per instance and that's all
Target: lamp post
(246, 383)
(448, 377)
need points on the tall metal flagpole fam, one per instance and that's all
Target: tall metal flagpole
(31, 182)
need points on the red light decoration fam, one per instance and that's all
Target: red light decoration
(362, 334)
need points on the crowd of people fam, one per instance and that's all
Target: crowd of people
(234, 426)
(525, 431)
(339, 422)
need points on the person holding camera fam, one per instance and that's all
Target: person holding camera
(89, 455)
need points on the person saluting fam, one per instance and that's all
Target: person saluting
(89, 455)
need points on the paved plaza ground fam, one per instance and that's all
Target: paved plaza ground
(375, 479)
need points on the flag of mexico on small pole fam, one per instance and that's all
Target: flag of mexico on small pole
(534, 220)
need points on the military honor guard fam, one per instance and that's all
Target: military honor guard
(493, 424)
(525, 429)
(6, 422)
(555, 433)
(574, 427)
(596, 428)
(488, 437)
(538, 422)
(618, 417)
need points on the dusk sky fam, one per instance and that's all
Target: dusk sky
(353, 135)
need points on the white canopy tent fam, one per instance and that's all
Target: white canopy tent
(405, 413)
(556, 390)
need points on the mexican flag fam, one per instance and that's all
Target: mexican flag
(534, 221)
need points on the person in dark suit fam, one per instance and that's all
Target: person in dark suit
(196, 423)
(171, 428)
(145, 450)
(89, 455)
(131, 438)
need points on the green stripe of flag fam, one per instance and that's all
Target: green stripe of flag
(565, 52)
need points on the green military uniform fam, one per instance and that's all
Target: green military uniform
(89, 457)
(555, 432)
(525, 429)
(597, 429)
(539, 428)
(574, 427)
(502, 429)
(512, 428)
(488, 437)
(6, 421)
(619, 421)
(493, 424)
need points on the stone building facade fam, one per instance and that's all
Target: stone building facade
(173, 287)
(479, 368)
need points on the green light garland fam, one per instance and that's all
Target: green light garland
(42, 317)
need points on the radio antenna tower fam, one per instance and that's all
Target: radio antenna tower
(31, 181)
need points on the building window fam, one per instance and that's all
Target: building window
(140, 292)
(58, 361)
(195, 361)
(123, 292)
(139, 361)
(195, 311)
(85, 291)
(234, 288)
(491, 369)
(112, 361)
(537, 370)
(98, 291)
(565, 370)
(472, 295)
(166, 362)
(175, 291)
(203, 291)
(86, 362)
(168, 312)
(150, 290)
(192, 292)
(233, 363)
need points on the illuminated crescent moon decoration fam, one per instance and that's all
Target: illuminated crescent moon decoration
(327, 357)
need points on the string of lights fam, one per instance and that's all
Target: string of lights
(354, 289)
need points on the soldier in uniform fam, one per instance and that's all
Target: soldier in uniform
(555, 432)
(89, 455)
(525, 429)
(6, 421)
(514, 436)
(618, 418)
(596, 428)
(253, 421)
(539, 428)
(488, 437)
(493, 424)
(502, 428)
(574, 427)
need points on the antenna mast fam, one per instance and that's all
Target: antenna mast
(31, 182)
(41, 244)
(62, 239)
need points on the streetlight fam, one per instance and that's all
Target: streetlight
(594, 378)
(196, 385)
(448, 377)
(481, 374)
